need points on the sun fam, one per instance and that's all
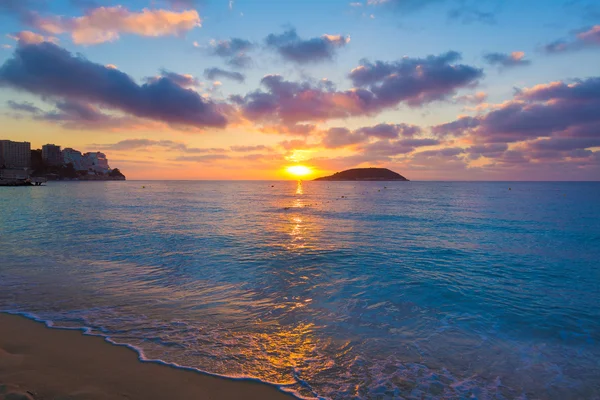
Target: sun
(298, 170)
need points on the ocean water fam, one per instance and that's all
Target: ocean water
(336, 290)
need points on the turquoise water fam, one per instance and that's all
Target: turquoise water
(335, 290)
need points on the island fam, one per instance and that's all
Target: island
(364, 174)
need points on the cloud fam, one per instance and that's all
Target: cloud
(24, 107)
(28, 37)
(183, 80)
(476, 98)
(549, 123)
(582, 39)
(170, 145)
(105, 24)
(390, 131)
(75, 115)
(23, 9)
(455, 128)
(341, 137)
(415, 81)
(249, 149)
(203, 159)
(383, 133)
(468, 15)
(514, 59)
(184, 4)
(292, 48)
(233, 51)
(51, 71)
(218, 73)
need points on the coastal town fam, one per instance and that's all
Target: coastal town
(20, 165)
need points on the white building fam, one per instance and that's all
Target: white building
(51, 154)
(96, 161)
(15, 154)
(72, 156)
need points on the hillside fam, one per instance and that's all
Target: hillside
(364, 174)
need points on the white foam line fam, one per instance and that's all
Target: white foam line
(142, 358)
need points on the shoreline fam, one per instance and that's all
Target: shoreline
(38, 361)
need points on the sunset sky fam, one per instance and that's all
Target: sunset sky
(241, 89)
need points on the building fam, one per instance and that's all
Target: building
(96, 161)
(15, 154)
(72, 156)
(51, 154)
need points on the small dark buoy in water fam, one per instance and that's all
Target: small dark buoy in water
(509, 189)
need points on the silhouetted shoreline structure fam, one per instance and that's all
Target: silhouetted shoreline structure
(21, 166)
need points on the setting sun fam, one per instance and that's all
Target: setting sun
(298, 170)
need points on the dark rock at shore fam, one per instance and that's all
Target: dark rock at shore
(364, 174)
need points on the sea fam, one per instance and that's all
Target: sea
(329, 290)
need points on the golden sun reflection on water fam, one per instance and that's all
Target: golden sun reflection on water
(299, 189)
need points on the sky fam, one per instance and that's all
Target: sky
(243, 89)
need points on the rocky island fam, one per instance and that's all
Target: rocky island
(364, 174)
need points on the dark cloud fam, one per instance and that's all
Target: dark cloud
(455, 128)
(218, 73)
(73, 115)
(445, 152)
(234, 51)
(514, 59)
(183, 80)
(137, 144)
(390, 131)
(384, 149)
(48, 70)
(550, 123)
(384, 134)
(582, 39)
(415, 81)
(492, 150)
(22, 9)
(24, 107)
(341, 137)
(379, 86)
(183, 4)
(292, 48)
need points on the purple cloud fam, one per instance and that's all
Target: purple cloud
(415, 81)
(27, 107)
(391, 131)
(514, 59)
(218, 73)
(48, 70)
(583, 39)
(379, 86)
(292, 48)
(233, 51)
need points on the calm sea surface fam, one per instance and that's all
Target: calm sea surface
(336, 290)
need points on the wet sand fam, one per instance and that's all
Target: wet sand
(40, 363)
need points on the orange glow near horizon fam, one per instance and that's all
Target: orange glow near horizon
(298, 170)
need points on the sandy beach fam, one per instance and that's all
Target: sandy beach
(40, 363)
